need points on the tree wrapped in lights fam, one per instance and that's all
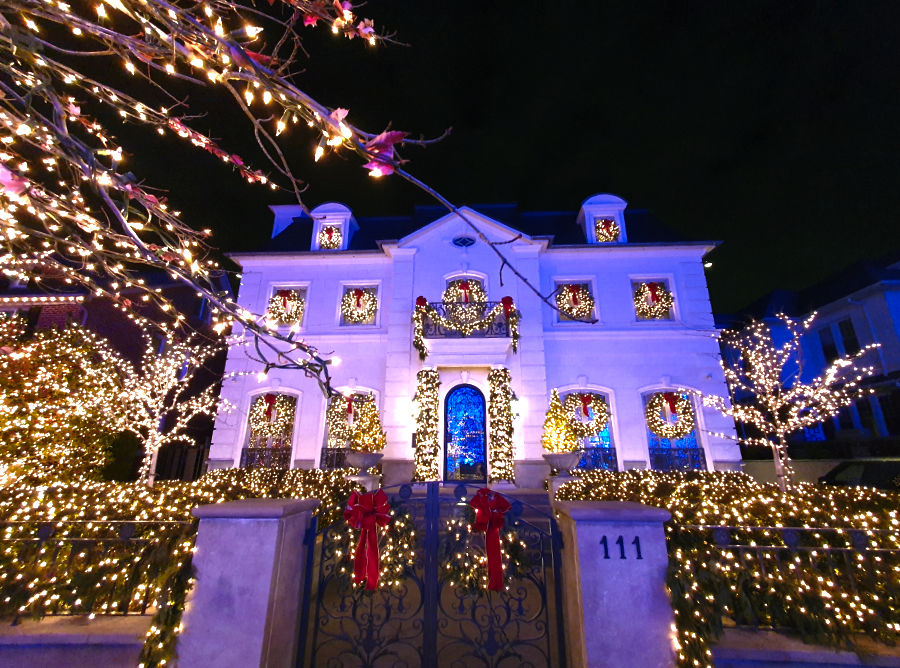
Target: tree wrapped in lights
(367, 434)
(161, 400)
(768, 395)
(501, 425)
(558, 434)
(427, 445)
(60, 394)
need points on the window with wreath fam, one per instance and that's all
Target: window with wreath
(359, 305)
(653, 300)
(351, 421)
(575, 301)
(672, 431)
(270, 431)
(286, 306)
(586, 410)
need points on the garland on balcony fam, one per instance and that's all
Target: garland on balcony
(427, 446)
(679, 406)
(652, 301)
(271, 415)
(578, 404)
(575, 301)
(359, 305)
(469, 324)
(606, 230)
(286, 307)
(501, 425)
(329, 237)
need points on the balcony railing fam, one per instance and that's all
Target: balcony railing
(677, 459)
(333, 458)
(465, 314)
(266, 458)
(599, 458)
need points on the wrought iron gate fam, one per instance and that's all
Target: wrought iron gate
(427, 619)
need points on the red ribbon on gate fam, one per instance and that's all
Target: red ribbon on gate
(284, 294)
(464, 286)
(573, 294)
(672, 400)
(270, 404)
(367, 512)
(654, 292)
(507, 305)
(490, 509)
(359, 295)
(585, 404)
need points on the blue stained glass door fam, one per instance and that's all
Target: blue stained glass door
(465, 453)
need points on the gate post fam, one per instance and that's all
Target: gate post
(244, 609)
(617, 611)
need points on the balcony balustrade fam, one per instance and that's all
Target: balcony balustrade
(677, 459)
(266, 458)
(466, 316)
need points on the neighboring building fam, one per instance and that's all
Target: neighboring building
(856, 307)
(602, 253)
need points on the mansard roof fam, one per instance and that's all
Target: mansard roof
(561, 227)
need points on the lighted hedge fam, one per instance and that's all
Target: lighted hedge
(73, 577)
(824, 600)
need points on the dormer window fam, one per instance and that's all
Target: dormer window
(606, 229)
(602, 217)
(333, 227)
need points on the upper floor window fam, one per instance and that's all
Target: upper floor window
(575, 301)
(286, 306)
(653, 300)
(359, 305)
(271, 421)
(829, 347)
(848, 336)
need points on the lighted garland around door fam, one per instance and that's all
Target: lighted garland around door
(465, 451)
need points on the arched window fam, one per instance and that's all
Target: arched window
(672, 433)
(465, 452)
(341, 414)
(598, 450)
(270, 431)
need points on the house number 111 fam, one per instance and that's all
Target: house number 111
(620, 541)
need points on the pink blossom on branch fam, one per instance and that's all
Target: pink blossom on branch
(381, 150)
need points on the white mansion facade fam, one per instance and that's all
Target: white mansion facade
(598, 260)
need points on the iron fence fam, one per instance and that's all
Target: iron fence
(599, 458)
(266, 458)
(464, 314)
(85, 567)
(677, 459)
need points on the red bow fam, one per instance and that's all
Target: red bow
(464, 286)
(671, 399)
(329, 232)
(367, 512)
(573, 294)
(350, 405)
(507, 305)
(585, 403)
(359, 295)
(284, 294)
(421, 301)
(654, 292)
(270, 404)
(606, 225)
(490, 509)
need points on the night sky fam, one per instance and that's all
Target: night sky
(771, 126)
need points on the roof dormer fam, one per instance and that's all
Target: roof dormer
(333, 227)
(602, 218)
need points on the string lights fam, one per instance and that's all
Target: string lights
(464, 559)
(501, 464)
(286, 307)
(558, 435)
(674, 404)
(330, 237)
(465, 319)
(606, 230)
(427, 445)
(575, 300)
(767, 390)
(653, 301)
(587, 413)
(359, 305)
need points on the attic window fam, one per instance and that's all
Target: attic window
(463, 242)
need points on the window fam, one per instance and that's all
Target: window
(359, 305)
(598, 451)
(653, 300)
(575, 301)
(672, 447)
(270, 431)
(286, 306)
(848, 336)
(343, 414)
(829, 347)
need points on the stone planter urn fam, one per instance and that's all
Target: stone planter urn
(562, 461)
(363, 460)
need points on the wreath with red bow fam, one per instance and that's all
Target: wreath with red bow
(587, 413)
(271, 415)
(676, 405)
(286, 307)
(652, 301)
(575, 301)
(606, 230)
(359, 305)
(329, 237)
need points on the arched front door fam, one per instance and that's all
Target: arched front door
(465, 452)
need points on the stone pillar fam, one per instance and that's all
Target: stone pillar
(250, 561)
(617, 611)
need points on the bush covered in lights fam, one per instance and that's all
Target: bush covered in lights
(825, 596)
(153, 569)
